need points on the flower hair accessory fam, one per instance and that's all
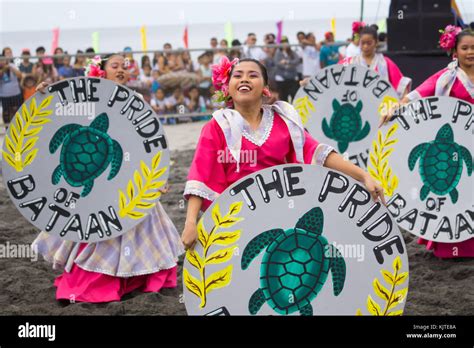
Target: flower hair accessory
(93, 67)
(447, 40)
(220, 79)
(357, 27)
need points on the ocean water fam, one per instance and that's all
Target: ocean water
(115, 39)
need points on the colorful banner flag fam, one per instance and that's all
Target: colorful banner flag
(55, 42)
(95, 41)
(279, 25)
(185, 37)
(229, 33)
(333, 27)
(382, 24)
(143, 35)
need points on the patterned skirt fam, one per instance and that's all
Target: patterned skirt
(143, 258)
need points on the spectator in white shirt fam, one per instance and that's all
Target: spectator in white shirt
(311, 64)
(250, 51)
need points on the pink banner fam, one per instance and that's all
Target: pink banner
(55, 43)
(279, 31)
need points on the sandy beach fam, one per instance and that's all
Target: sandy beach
(437, 287)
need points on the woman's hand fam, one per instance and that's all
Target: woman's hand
(392, 111)
(189, 235)
(42, 87)
(374, 188)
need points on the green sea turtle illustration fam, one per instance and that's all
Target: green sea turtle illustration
(345, 125)
(441, 164)
(295, 265)
(86, 152)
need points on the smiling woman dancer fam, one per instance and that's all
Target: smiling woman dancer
(273, 134)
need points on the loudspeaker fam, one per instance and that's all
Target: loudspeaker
(416, 33)
(418, 7)
(403, 34)
(407, 8)
(435, 6)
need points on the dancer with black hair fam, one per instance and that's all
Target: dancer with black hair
(248, 136)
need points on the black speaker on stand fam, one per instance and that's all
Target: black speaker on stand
(413, 36)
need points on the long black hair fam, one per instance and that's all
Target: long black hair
(260, 65)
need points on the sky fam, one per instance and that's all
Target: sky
(22, 15)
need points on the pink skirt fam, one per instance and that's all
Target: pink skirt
(80, 285)
(450, 250)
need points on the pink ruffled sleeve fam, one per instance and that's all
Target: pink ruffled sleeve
(401, 83)
(206, 178)
(427, 88)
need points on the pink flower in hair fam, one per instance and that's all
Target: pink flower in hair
(93, 68)
(357, 27)
(221, 77)
(447, 40)
(221, 72)
(96, 71)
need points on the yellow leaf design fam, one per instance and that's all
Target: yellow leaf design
(229, 222)
(9, 145)
(225, 238)
(32, 132)
(156, 161)
(194, 259)
(203, 236)
(20, 140)
(235, 208)
(303, 105)
(401, 278)
(29, 145)
(400, 295)
(223, 277)
(219, 279)
(8, 159)
(397, 263)
(30, 157)
(146, 184)
(388, 277)
(135, 215)
(45, 103)
(192, 284)
(359, 312)
(144, 205)
(381, 291)
(138, 180)
(216, 214)
(220, 256)
(32, 108)
(391, 297)
(145, 169)
(372, 306)
(379, 167)
(130, 190)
